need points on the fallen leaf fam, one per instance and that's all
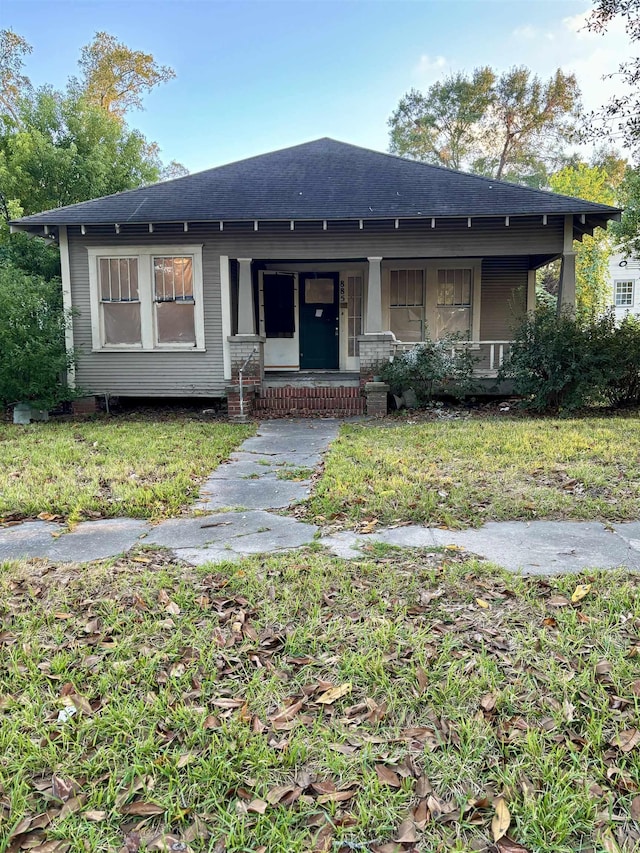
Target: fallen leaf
(142, 809)
(558, 601)
(627, 739)
(488, 702)
(634, 809)
(580, 591)
(333, 694)
(482, 603)
(508, 845)
(501, 820)
(407, 832)
(94, 815)
(387, 776)
(257, 806)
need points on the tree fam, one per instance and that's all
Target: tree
(509, 126)
(593, 252)
(13, 83)
(66, 150)
(33, 358)
(114, 77)
(622, 112)
(441, 126)
(626, 233)
(528, 123)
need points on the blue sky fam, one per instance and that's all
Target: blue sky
(256, 75)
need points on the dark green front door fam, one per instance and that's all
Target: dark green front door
(319, 321)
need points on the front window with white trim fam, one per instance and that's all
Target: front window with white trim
(624, 293)
(142, 298)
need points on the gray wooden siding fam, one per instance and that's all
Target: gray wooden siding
(504, 296)
(201, 373)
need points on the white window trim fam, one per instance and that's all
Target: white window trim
(431, 267)
(630, 281)
(145, 255)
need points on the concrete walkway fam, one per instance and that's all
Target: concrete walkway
(273, 470)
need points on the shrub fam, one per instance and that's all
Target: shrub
(33, 359)
(623, 371)
(558, 363)
(444, 366)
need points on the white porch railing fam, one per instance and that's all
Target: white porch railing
(488, 355)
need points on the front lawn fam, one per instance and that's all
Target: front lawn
(301, 703)
(135, 466)
(466, 472)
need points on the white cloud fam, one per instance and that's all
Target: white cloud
(525, 32)
(428, 66)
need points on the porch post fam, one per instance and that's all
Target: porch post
(567, 289)
(246, 314)
(373, 316)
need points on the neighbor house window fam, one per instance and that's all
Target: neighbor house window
(120, 301)
(145, 299)
(453, 312)
(406, 304)
(624, 293)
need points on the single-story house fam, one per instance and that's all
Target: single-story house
(624, 275)
(307, 268)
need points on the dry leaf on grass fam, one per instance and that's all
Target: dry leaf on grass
(387, 776)
(501, 820)
(580, 591)
(333, 694)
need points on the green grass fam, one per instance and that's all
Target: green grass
(524, 697)
(118, 466)
(459, 473)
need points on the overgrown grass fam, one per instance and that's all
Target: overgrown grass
(118, 466)
(460, 473)
(198, 723)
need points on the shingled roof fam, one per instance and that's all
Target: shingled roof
(324, 179)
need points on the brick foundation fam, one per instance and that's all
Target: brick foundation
(84, 406)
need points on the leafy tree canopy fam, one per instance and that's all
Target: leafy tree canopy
(621, 115)
(510, 126)
(13, 83)
(115, 77)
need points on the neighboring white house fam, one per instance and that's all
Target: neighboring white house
(625, 285)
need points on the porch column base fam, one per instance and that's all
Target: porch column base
(240, 408)
(375, 351)
(376, 396)
(241, 347)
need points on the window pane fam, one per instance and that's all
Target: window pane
(319, 291)
(118, 279)
(176, 323)
(452, 319)
(121, 322)
(624, 292)
(354, 312)
(406, 323)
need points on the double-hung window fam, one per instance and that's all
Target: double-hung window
(406, 305)
(624, 294)
(453, 310)
(146, 298)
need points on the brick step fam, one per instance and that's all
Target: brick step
(349, 405)
(291, 392)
